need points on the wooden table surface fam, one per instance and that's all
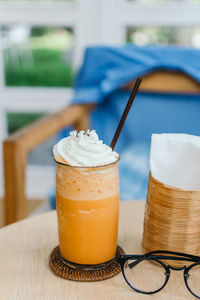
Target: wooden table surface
(24, 272)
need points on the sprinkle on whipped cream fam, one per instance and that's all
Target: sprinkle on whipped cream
(84, 149)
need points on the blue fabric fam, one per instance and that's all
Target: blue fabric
(151, 113)
(104, 71)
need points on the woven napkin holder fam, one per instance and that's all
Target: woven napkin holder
(171, 219)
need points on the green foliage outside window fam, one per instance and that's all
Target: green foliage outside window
(18, 120)
(44, 58)
(49, 69)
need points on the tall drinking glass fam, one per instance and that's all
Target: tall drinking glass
(87, 209)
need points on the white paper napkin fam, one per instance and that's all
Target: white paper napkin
(175, 160)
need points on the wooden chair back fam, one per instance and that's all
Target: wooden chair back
(17, 146)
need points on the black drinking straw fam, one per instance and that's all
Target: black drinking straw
(125, 113)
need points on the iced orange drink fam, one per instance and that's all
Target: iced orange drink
(87, 197)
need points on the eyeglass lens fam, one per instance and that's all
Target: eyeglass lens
(149, 276)
(193, 279)
(145, 275)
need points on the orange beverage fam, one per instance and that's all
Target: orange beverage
(87, 208)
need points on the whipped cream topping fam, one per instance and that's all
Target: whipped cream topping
(84, 149)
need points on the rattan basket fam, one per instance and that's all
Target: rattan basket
(171, 219)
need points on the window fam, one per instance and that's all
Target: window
(163, 35)
(18, 120)
(42, 155)
(41, 40)
(37, 56)
(39, 0)
(154, 1)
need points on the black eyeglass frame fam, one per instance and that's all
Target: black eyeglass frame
(156, 256)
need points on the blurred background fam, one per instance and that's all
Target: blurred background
(41, 48)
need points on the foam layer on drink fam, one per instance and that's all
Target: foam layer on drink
(87, 184)
(84, 149)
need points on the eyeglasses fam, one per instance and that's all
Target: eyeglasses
(147, 274)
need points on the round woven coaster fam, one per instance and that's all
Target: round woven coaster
(60, 268)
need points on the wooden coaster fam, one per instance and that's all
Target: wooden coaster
(65, 271)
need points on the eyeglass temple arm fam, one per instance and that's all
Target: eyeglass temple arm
(195, 257)
(157, 257)
(137, 256)
(152, 254)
